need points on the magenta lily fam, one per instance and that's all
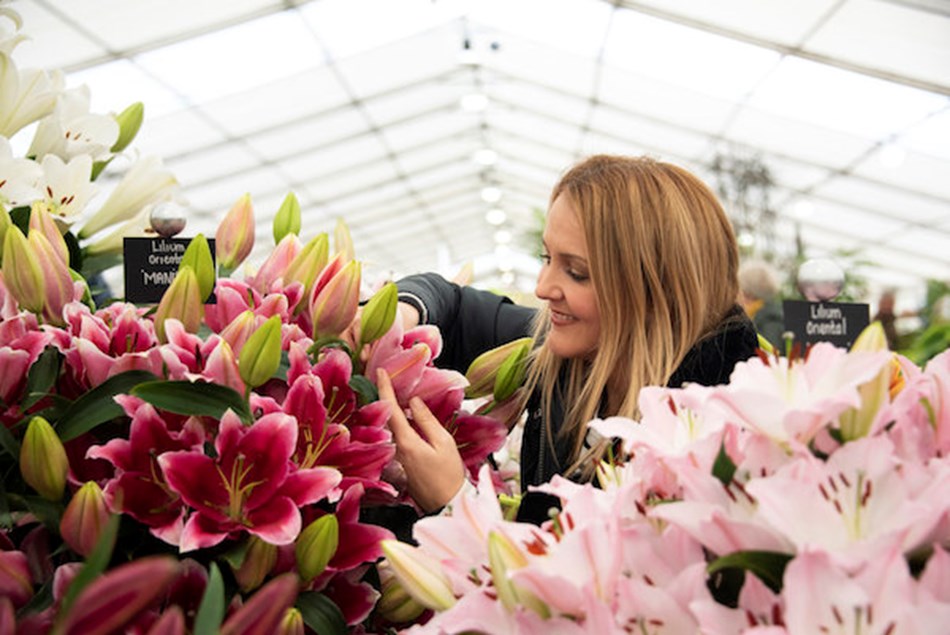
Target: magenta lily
(249, 486)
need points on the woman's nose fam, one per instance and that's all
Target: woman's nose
(546, 289)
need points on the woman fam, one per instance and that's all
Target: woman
(639, 281)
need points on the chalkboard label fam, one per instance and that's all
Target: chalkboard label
(837, 322)
(151, 265)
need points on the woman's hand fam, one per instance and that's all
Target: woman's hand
(434, 468)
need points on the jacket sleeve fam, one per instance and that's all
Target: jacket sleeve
(471, 321)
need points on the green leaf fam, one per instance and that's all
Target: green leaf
(768, 566)
(211, 610)
(235, 557)
(364, 388)
(42, 375)
(98, 406)
(75, 251)
(193, 398)
(281, 372)
(95, 564)
(723, 469)
(10, 445)
(321, 614)
(48, 512)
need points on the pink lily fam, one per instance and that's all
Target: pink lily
(16, 582)
(234, 237)
(276, 265)
(249, 485)
(333, 306)
(172, 622)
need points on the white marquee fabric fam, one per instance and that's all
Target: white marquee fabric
(396, 115)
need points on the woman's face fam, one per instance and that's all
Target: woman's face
(564, 283)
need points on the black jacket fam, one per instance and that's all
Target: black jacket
(474, 321)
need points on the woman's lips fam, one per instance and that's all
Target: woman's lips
(561, 319)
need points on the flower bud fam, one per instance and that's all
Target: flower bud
(4, 225)
(334, 306)
(259, 561)
(16, 583)
(129, 120)
(85, 517)
(419, 574)
(260, 355)
(307, 265)
(265, 610)
(182, 301)
(287, 219)
(316, 545)
(57, 280)
(483, 370)
(504, 556)
(43, 461)
(22, 273)
(511, 373)
(395, 604)
(379, 314)
(235, 236)
(42, 221)
(291, 623)
(855, 423)
(172, 622)
(198, 257)
(239, 330)
(343, 241)
(118, 596)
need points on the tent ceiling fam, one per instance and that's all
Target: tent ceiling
(355, 106)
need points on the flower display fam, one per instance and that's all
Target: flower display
(736, 509)
(206, 464)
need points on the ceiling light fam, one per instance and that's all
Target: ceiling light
(745, 239)
(491, 194)
(485, 156)
(502, 236)
(496, 216)
(474, 102)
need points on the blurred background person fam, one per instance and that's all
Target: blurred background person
(759, 296)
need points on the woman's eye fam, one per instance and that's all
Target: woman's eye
(545, 258)
(577, 276)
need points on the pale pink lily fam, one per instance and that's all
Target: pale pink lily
(661, 609)
(249, 486)
(758, 608)
(789, 401)
(479, 613)
(852, 503)
(71, 130)
(25, 95)
(924, 405)
(20, 183)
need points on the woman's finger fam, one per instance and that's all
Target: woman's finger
(403, 434)
(431, 427)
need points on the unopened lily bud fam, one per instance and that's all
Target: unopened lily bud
(855, 423)
(171, 622)
(198, 257)
(16, 582)
(292, 623)
(316, 545)
(42, 221)
(379, 314)
(511, 373)
(22, 273)
(504, 556)
(419, 574)
(395, 604)
(260, 355)
(181, 301)
(287, 219)
(118, 596)
(43, 461)
(239, 330)
(235, 236)
(334, 306)
(484, 369)
(57, 280)
(129, 120)
(263, 612)
(4, 225)
(307, 265)
(85, 518)
(343, 241)
(259, 561)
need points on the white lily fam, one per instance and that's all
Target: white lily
(112, 243)
(25, 96)
(20, 182)
(66, 186)
(9, 41)
(146, 182)
(71, 130)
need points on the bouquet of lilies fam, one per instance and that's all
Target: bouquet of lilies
(204, 465)
(807, 496)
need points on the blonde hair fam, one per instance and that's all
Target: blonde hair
(663, 261)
